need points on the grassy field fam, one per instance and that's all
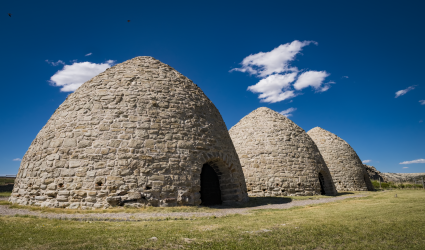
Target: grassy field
(5, 194)
(4, 181)
(379, 221)
(396, 185)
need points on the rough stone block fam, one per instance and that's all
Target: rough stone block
(69, 143)
(144, 113)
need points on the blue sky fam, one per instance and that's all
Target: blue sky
(335, 64)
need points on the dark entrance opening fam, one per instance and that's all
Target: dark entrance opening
(322, 184)
(210, 186)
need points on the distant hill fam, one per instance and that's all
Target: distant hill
(374, 174)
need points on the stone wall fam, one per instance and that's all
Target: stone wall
(374, 174)
(344, 164)
(278, 157)
(136, 134)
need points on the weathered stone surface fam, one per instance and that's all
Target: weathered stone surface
(374, 174)
(344, 164)
(278, 157)
(139, 127)
(403, 177)
(114, 200)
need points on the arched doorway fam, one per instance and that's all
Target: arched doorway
(322, 184)
(210, 186)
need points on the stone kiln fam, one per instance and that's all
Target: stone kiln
(345, 166)
(278, 157)
(139, 133)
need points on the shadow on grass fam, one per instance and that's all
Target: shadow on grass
(343, 193)
(261, 201)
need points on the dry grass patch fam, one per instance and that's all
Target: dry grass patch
(5, 194)
(379, 221)
(253, 202)
(113, 210)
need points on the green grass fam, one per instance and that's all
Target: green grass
(379, 221)
(5, 194)
(4, 181)
(392, 185)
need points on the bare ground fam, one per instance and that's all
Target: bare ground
(220, 211)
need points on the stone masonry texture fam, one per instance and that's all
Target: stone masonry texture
(374, 174)
(344, 164)
(137, 134)
(278, 157)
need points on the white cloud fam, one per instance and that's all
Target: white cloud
(288, 112)
(422, 102)
(17, 159)
(345, 77)
(55, 63)
(313, 79)
(325, 87)
(405, 167)
(275, 61)
(73, 76)
(366, 161)
(272, 86)
(414, 161)
(278, 75)
(404, 91)
(421, 121)
(89, 54)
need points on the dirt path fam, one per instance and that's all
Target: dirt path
(221, 211)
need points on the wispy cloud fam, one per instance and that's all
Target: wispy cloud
(17, 159)
(288, 112)
(414, 161)
(73, 76)
(404, 91)
(89, 54)
(55, 63)
(405, 167)
(280, 80)
(422, 102)
(345, 77)
(366, 161)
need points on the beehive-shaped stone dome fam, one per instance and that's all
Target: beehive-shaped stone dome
(278, 157)
(344, 164)
(139, 133)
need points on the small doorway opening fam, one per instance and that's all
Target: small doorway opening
(210, 187)
(322, 184)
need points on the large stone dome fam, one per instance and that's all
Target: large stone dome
(345, 165)
(278, 157)
(139, 133)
